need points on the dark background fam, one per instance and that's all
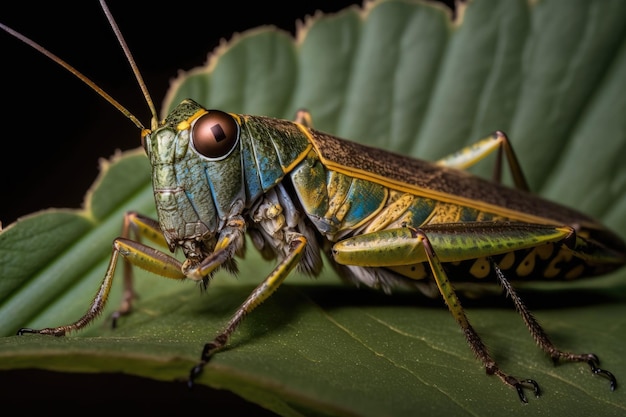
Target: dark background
(55, 129)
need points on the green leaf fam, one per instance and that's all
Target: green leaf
(399, 75)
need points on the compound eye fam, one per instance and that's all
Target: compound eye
(215, 134)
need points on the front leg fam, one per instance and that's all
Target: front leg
(137, 254)
(296, 244)
(152, 260)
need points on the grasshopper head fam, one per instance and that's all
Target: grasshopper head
(196, 174)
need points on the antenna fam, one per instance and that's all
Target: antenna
(133, 64)
(90, 83)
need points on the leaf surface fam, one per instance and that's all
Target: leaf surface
(399, 75)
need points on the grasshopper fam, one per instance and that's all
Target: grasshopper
(381, 219)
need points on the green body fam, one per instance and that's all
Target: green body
(354, 194)
(378, 190)
(384, 221)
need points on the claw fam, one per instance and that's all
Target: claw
(24, 330)
(207, 351)
(519, 386)
(593, 364)
(114, 317)
(194, 373)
